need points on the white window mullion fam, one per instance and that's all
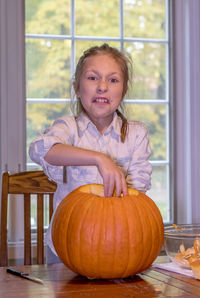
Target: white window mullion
(73, 24)
(121, 24)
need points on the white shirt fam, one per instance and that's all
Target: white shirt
(131, 156)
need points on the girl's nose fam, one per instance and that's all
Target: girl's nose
(102, 86)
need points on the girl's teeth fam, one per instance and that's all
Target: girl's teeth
(101, 100)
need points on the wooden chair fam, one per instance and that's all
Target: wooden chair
(26, 183)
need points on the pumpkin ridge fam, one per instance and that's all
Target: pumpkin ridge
(78, 205)
(93, 204)
(149, 223)
(79, 202)
(146, 204)
(109, 230)
(59, 237)
(128, 210)
(95, 246)
(69, 257)
(120, 242)
(67, 232)
(87, 202)
(107, 260)
(135, 212)
(155, 249)
(124, 204)
(140, 217)
(100, 237)
(131, 212)
(114, 234)
(146, 224)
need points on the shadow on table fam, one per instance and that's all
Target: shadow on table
(134, 286)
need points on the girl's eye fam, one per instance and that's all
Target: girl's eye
(92, 78)
(113, 80)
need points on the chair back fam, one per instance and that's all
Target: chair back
(27, 184)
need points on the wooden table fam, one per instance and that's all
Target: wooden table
(59, 281)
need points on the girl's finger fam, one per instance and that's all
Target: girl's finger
(106, 183)
(124, 187)
(118, 185)
(111, 187)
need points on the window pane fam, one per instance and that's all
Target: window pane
(144, 18)
(149, 62)
(159, 190)
(154, 116)
(97, 18)
(48, 68)
(48, 17)
(40, 116)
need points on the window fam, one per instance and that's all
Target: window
(57, 32)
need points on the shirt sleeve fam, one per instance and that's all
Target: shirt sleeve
(140, 169)
(58, 133)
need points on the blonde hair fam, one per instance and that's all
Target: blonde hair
(125, 64)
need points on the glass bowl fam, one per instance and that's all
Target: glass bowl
(182, 243)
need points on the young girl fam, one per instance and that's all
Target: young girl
(98, 145)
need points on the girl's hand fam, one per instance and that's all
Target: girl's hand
(113, 177)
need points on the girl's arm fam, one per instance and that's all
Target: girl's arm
(140, 169)
(67, 155)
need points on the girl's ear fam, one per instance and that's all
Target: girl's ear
(76, 89)
(124, 92)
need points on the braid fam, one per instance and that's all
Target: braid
(124, 126)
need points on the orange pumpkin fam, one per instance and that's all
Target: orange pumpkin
(107, 237)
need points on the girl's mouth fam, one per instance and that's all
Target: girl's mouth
(100, 100)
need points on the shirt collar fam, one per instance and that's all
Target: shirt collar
(84, 123)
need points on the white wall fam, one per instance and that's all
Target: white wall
(186, 83)
(12, 100)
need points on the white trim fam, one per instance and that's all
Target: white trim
(3, 87)
(12, 96)
(68, 100)
(121, 23)
(12, 99)
(187, 112)
(96, 38)
(16, 252)
(186, 25)
(195, 107)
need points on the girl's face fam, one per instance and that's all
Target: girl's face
(100, 87)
